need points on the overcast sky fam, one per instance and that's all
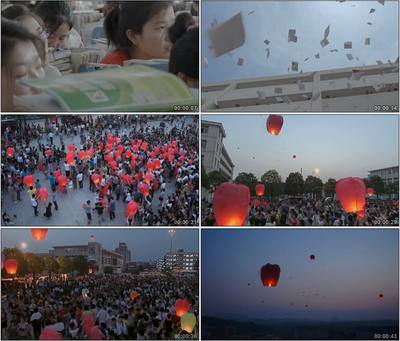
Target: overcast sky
(272, 20)
(338, 145)
(351, 268)
(145, 244)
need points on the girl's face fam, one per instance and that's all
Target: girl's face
(58, 38)
(152, 42)
(25, 63)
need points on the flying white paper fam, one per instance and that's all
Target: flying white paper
(348, 45)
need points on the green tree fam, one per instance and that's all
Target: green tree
(65, 264)
(294, 184)
(273, 183)
(376, 183)
(50, 265)
(248, 179)
(34, 263)
(215, 178)
(330, 187)
(80, 264)
(313, 185)
(392, 189)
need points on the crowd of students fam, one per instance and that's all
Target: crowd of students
(97, 307)
(313, 212)
(143, 30)
(121, 150)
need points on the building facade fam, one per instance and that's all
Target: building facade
(123, 250)
(98, 257)
(179, 261)
(389, 175)
(363, 89)
(214, 155)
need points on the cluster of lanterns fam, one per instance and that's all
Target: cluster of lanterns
(188, 320)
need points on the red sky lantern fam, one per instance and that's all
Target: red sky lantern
(351, 194)
(134, 295)
(89, 153)
(39, 234)
(54, 119)
(133, 163)
(144, 146)
(131, 209)
(128, 154)
(270, 275)
(155, 184)
(231, 204)
(144, 189)
(148, 177)
(11, 266)
(274, 124)
(90, 270)
(150, 165)
(100, 146)
(260, 189)
(182, 306)
(57, 173)
(108, 148)
(70, 158)
(117, 155)
(139, 175)
(42, 194)
(370, 191)
(135, 148)
(71, 148)
(170, 157)
(48, 152)
(120, 148)
(113, 165)
(48, 333)
(157, 164)
(62, 181)
(10, 152)
(81, 154)
(126, 179)
(96, 178)
(29, 180)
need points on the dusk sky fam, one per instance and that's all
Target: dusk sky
(338, 145)
(351, 268)
(145, 244)
(272, 20)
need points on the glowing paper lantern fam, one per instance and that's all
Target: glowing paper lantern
(144, 146)
(88, 323)
(48, 333)
(260, 189)
(81, 154)
(48, 152)
(270, 275)
(117, 155)
(11, 266)
(96, 178)
(182, 306)
(90, 270)
(134, 295)
(231, 204)
(42, 194)
(150, 165)
(128, 154)
(351, 195)
(274, 124)
(170, 157)
(188, 322)
(62, 182)
(157, 164)
(71, 148)
(148, 177)
(370, 192)
(144, 189)
(126, 179)
(108, 148)
(10, 152)
(155, 185)
(39, 234)
(70, 158)
(29, 180)
(113, 165)
(131, 209)
(95, 333)
(89, 153)
(57, 173)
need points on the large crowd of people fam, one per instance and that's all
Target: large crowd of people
(138, 170)
(312, 212)
(97, 307)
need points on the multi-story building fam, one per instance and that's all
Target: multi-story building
(214, 155)
(389, 174)
(98, 257)
(123, 250)
(179, 261)
(363, 89)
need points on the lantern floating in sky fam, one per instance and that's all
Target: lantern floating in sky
(351, 194)
(370, 191)
(260, 189)
(182, 306)
(96, 178)
(231, 204)
(42, 194)
(10, 152)
(134, 295)
(274, 124)
(131, 209)
(294, 156)
(188, 322)
(29, 180)
(39, 234)
(90, 270)
(11, 266)
(312, 257)
(380, 295)
(70, 158)
(270, 275)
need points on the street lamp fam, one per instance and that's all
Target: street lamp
(171, 233)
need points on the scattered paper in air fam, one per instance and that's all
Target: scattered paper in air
(324, 42)
(240, 61)
(367, 41)
(326, 32)
(369, 23)
(295, 66)
(227, 36)
(316, 56)
(292, 36)
(266, 42)
(349, 56)
(348, 45)
(372, 10)
(334, 50)
(251, 12)
(278, 90)
(268, 53)
(306, 59)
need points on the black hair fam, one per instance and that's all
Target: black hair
(182, 22)
(54, 14)
(130, 15)
(184, 55)
(14, 11)
(11, 34)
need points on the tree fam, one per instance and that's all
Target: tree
(35, 264)
(330, 187)
(294, 184)
(376, 183)
(273, 183)
(313, 185)
(80, 264)
(392, 189)
(215, 178)
(248, 179)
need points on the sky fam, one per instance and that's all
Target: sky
(145, 244)
(272, 20)
(338, 145)
(350, 270)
